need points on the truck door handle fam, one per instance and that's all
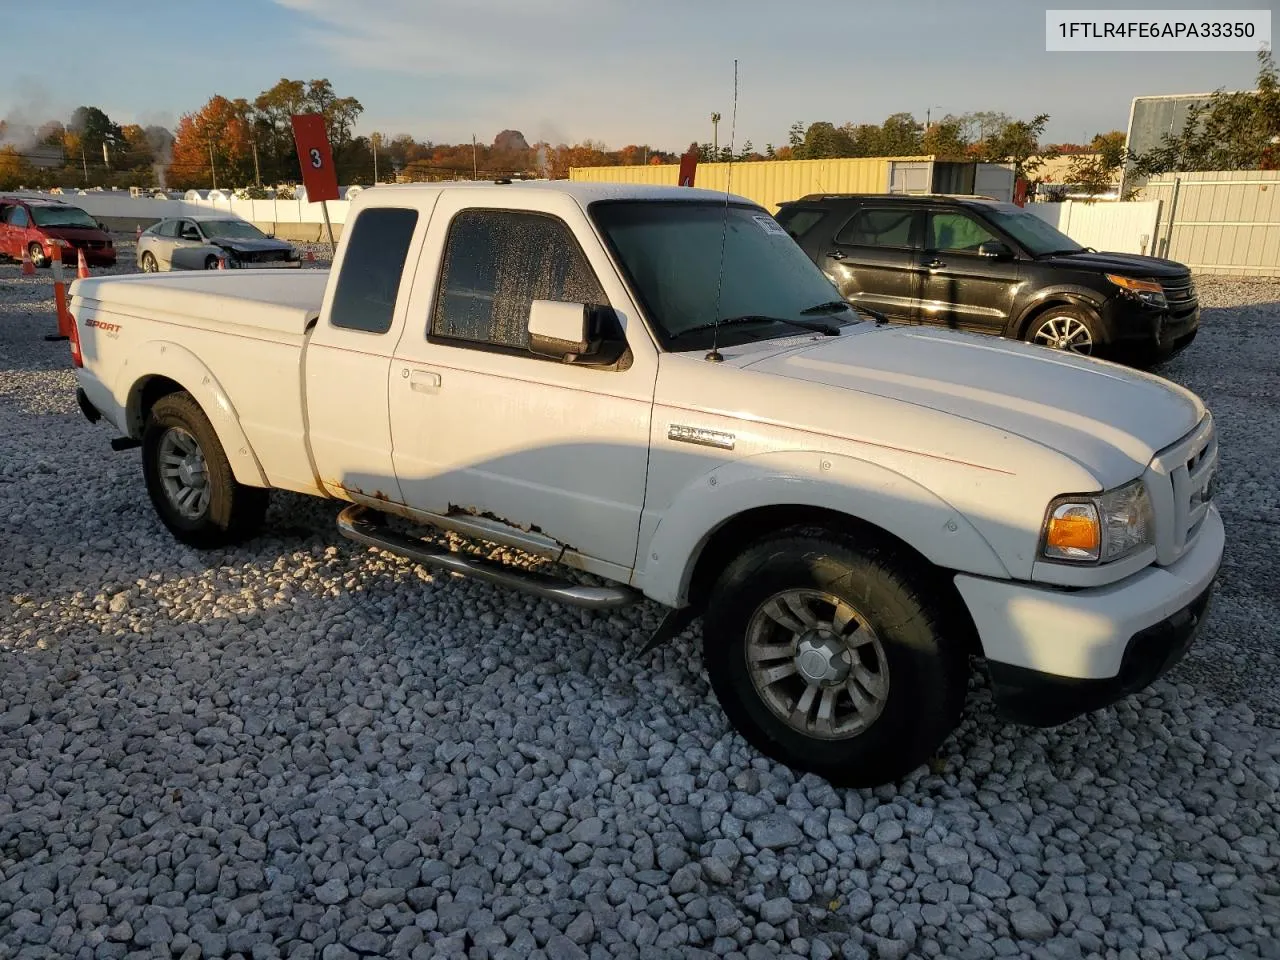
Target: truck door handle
(424, 381)
(935, 264)
(836, 255)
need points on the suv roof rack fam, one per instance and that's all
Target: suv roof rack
(900, 196)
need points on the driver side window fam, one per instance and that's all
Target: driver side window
(956, 233)
(17, 217)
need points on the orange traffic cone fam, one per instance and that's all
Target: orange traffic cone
(222, 261)
(82, 268)
(60, 301)
(311, 256)
(28, 266)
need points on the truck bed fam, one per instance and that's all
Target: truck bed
(195, 328)
(279, 301)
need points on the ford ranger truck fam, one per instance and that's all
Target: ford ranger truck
(658, 392)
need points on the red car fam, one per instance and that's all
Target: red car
(45, 228)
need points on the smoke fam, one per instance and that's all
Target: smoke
(160, 141)
(542, 159)
(550, 133)
(33, 107)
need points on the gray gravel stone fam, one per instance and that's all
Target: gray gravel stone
(298, 747)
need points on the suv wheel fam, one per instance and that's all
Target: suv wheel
(834, 656)
(1065, 328)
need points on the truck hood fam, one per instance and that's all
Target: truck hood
(1110, 419)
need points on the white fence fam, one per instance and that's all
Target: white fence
(1119, 227)
(121, 206)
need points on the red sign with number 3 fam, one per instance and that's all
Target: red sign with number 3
(315, 157)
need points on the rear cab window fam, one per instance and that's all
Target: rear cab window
(377, 246)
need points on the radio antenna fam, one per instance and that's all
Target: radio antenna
(714, 355)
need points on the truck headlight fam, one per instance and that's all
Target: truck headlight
(1098, 528)
(1148, 291)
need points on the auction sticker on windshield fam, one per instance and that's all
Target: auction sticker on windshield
(770, 225)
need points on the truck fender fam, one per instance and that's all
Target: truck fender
(161, 358)
(808, 478)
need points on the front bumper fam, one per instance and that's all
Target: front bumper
(1134, 326)
(1054, 654)
(267, 265)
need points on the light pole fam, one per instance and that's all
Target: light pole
(928, 115)
(715, 134)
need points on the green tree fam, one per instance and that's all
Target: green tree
(1018, 143)
(95, 128)
(1233, 131)
(1097, 172)
(946, 139)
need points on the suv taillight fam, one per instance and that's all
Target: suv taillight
(73, 334)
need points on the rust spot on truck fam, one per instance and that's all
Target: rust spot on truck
(457, 511)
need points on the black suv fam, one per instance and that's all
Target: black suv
(981, 265)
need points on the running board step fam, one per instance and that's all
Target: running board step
(363, 525)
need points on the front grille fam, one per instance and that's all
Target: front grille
(1181, 295)
(1181, 487)
(269, 256)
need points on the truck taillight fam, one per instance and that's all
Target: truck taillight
(73, 335)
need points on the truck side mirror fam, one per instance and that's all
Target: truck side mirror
(559, 330)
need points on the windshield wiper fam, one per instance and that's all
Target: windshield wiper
(822, 328)
(827, 307)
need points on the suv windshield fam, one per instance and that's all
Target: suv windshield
(670, 252)
(1037, 236)
(55, 215)
(231, 230)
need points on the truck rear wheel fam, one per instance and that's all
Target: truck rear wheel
(189, 478)
(828, 655)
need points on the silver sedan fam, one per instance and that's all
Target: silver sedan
(199, 242)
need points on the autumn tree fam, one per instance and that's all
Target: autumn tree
(219, 133)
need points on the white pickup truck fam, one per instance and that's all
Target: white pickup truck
(656, 386)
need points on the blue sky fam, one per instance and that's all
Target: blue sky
(613, 70)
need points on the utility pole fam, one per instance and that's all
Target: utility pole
(375, 141)
(475, 170)
(257, 174)
(715, 135)
(213, 171)
(84, 164)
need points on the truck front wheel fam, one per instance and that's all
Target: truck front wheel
(831, 656)
(189, 478)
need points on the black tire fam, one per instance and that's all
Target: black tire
(36, 252)
(148, 263)
(211, 262)
(233, 512)
(1069, 320)
(918, 637)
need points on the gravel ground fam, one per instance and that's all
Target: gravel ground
(301, 748)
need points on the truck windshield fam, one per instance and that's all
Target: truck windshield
(56, 215)
(670, 252)
(231, 230)
(1037, 236)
